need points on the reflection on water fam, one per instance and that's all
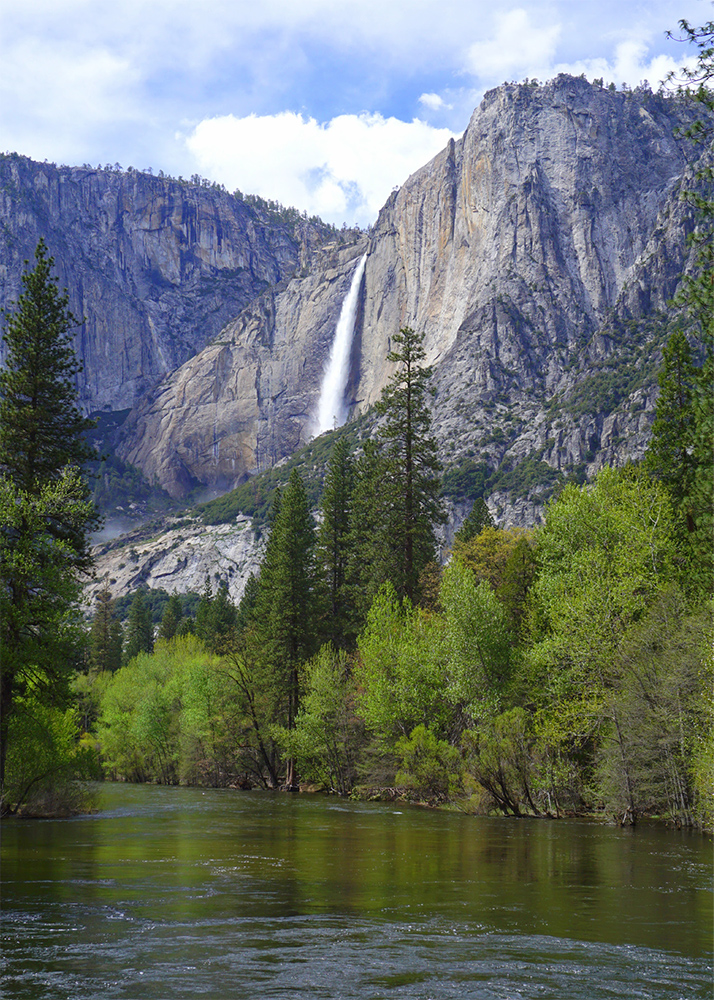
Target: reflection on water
(185, 893)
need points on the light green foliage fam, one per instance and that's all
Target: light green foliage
(137, 734)
(501, 757)
(164, 716)
(488, 552)
(46, 762)
(604, 552)
(656, 718)
(430, 768)
(402, 671)
(477, 641)
(327, 734)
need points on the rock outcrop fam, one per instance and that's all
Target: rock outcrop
(522, 251)
(156, 267)
(177, 557)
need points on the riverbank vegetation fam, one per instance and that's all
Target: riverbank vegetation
(559, 670)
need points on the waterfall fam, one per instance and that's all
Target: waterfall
(331, 409)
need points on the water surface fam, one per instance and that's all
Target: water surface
(172, 893)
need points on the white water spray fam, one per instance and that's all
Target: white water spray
(331, 410)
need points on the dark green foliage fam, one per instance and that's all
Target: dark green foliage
(171, 618)
(524, 478)
(156, 601)
(246, 609)
(40, 425)
(478, 518)
(399, 501)
(139, 629)
(333, 545)
(254, 498)
(467, 481)
(285, 619)
(45, 509)
(215, 617)
(105, 636)
(41, 628)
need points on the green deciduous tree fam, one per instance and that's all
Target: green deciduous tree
(401, 671)
(477, 640)
(605, 551)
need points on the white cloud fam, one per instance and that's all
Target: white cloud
(344, 169)
(434, 102)
(629, 65)
(518, 48)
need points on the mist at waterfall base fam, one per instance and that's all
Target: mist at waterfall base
(332, 408)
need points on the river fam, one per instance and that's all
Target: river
(184, 892)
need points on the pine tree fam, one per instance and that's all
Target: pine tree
(405, 471)
(696, 298)
(478, 518)
(171, 618)
(203, 611)
(284, 616)
(47, 513)
(105, 637)
(140, 628)
(40, 425)
(333, 544)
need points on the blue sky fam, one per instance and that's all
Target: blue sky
(322, 104)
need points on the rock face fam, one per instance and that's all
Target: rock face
(521, 251)
(155, 266)
(178, 558)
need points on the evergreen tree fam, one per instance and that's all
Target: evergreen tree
(140, 628)
(105, 637)
(171, 618)
(669, 456)
(220, 621)
(285, 605)
(478, 518)
(400, 493)
(41, 628)
(333, 544)
(203, 611)
(696, 298)
(40, 425)
(47, 512)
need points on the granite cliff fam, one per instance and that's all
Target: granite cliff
(154, 266)
(534, 253)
